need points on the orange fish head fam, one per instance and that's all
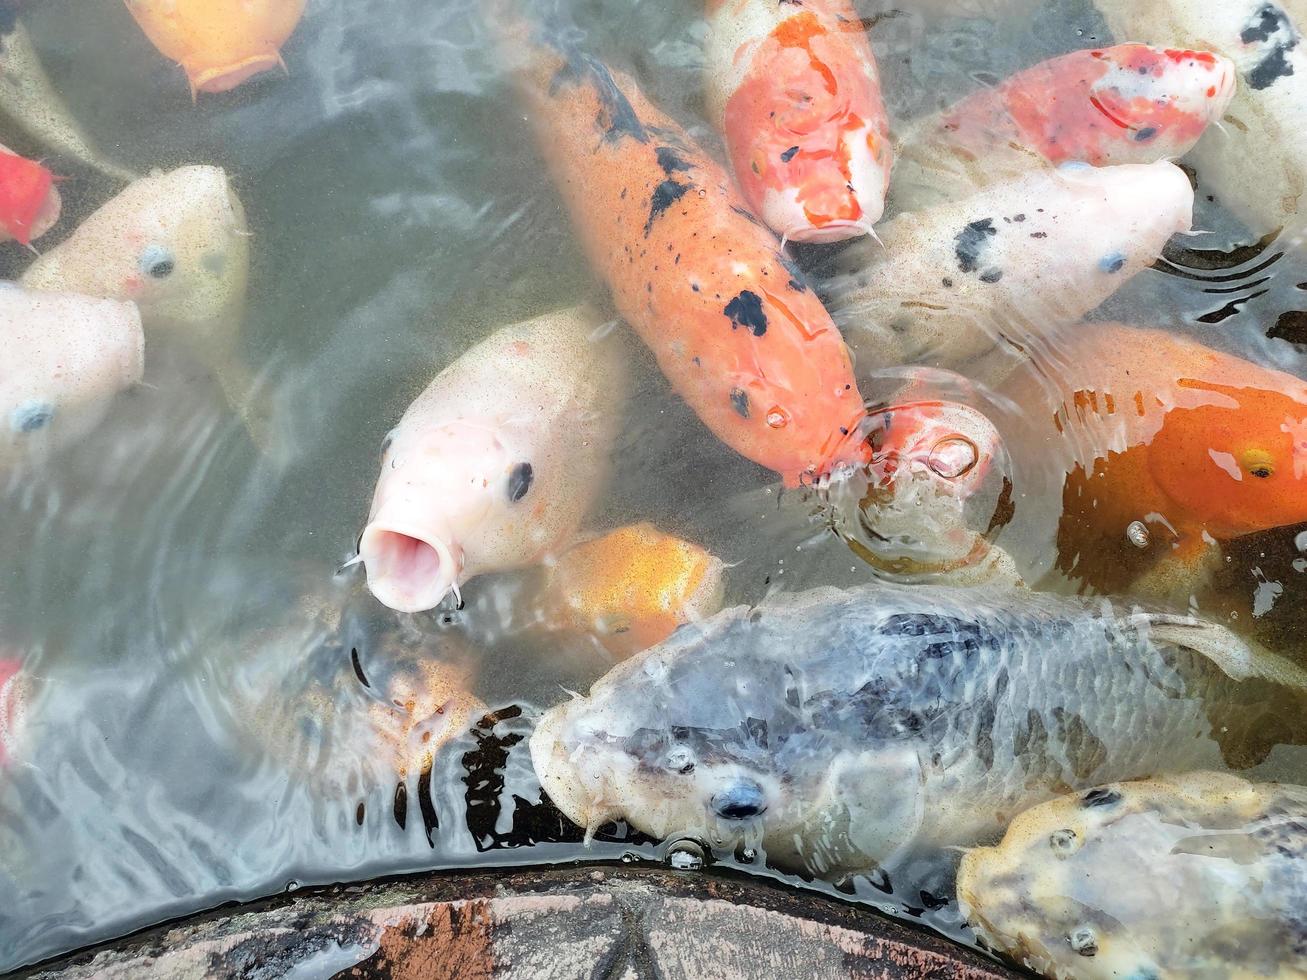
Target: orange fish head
(1162, 98)
(1237, 465)
(219, 43)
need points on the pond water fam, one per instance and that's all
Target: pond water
(201, 666)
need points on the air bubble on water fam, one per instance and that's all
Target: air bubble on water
(1063, 842)
(748, 855)
(1300, 542)
(1084, 941)
(1137, 534)
(953, 458)
(292, 885)
(685, 855)
(778, 418)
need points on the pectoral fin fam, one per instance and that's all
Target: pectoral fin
(1238, 658)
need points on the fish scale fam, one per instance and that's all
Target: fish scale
(986, 704)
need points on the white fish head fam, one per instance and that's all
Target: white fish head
(73, 354)
(176, 244)
(454, 500)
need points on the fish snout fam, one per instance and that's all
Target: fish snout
(740, 801)
(410, 568)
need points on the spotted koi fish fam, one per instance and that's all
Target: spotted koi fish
(1259, 171)
(794, 89)
(29, 200)
(1131, 103)
(732, 323)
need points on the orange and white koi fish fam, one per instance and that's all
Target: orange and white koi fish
(29, 200)
(734, 327)
(495, 465)
(1162, 446)
(1126, 104)
(794, 89)
(633, 587)
(219, 43)
(1260, 170)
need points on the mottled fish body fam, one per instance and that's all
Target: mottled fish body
(839, 729)
(1006, 265)
(1201, 876)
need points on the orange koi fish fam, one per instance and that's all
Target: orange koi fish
(29, 201)
(794, 89)
(633, 587)
(734, 327)
(219, 43)
(1167, 447)
(1131, 103)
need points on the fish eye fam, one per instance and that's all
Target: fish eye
(739, 801)
(31, 417)
(519, 481)
(157, 262)
(1259, 464)
(680, 760)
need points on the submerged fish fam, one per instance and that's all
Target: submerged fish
(840, 729)
(1006, 265)
(219, 43)
(1126, 104)
(631, 588)
(1196, 876)
(30, 106)
(66, 357)
(177, 245)
(29, 201)
(495, 465)
(1149, 428)
(733, 326)
(795, 91)
(1260, 168)
(13, 690)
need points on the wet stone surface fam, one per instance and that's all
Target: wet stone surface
(593, 923)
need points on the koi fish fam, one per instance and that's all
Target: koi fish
(1007, 265)
(1268, 115)
(634, 586)
(733, 326)
(219, 43)
(12, 699)
(783, 726)
(1126, 104)
(1163, 448)
(177, 245)
(30, 105)
(495, 465)
(29, 201)
(66, 357)
(795, 91)
(1201, 875)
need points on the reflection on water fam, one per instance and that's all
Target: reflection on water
(212, 708)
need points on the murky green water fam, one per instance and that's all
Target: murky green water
(176, 596)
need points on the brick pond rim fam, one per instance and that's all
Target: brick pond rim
(592, 922)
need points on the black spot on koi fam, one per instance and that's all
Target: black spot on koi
(617, 116)
(664, 196)
(740, 402)
(746, 311)
(971, 242)
(1271, 27)
(671, 161)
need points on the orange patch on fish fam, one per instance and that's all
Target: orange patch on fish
(26, 190)
(633, 587)
(733, 326)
